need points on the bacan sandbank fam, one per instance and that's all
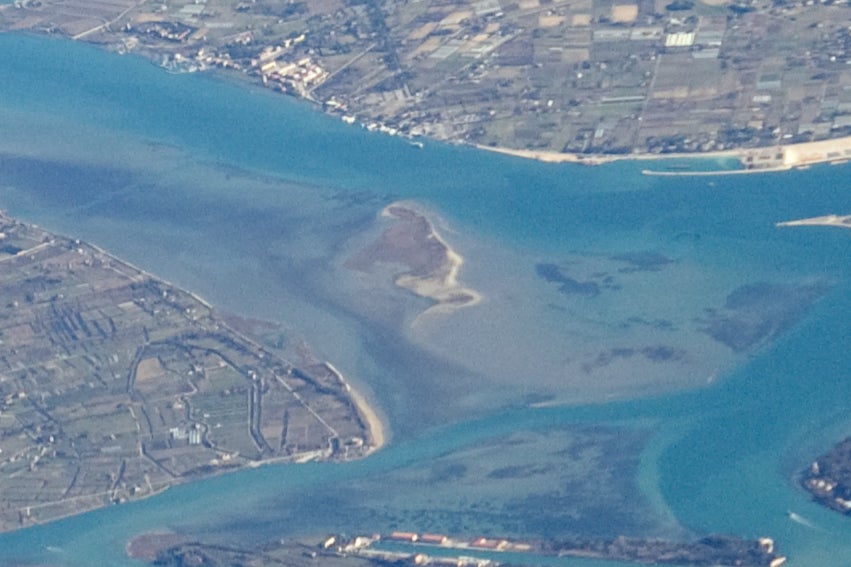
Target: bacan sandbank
(431, 266)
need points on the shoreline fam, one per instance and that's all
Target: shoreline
(376, 427)
(760, 159)
(773, 158)
(547, 156)
(763, 159)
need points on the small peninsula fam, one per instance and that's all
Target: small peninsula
(115, 385)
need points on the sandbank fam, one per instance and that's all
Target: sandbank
(439, 284)
(431, 265)
(147, 546)
(827, 220)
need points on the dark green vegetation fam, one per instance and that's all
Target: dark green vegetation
(115, 385)
(757, 313)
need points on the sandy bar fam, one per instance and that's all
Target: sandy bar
(441, 283)
(431, 266)
(827, 220)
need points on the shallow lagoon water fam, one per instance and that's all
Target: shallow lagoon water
(253, 201)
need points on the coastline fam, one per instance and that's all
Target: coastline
(602, 159)
(762, 159)
(376, 427)
(765, 159)
(776, 157)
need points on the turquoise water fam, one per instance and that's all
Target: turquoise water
(254, 201)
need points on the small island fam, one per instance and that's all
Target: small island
(827, 220)
(431, 266)
(828, 479)
(115, 385)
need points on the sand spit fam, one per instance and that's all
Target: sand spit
(431, 265)
(376, 428)
(558, 157)
(827, 220)
(374, 424)
(753, 160)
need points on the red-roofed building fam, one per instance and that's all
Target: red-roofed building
(404, 536)
(436, 539)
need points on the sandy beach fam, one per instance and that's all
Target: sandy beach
(600, 159)
(781, 157)
(375, 425)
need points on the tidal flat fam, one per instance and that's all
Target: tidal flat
(528, 484)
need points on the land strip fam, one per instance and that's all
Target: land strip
(115, 385)
(764, 83)
(404, 548)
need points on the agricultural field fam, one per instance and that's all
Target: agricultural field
(115, 385)
(586, 77)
